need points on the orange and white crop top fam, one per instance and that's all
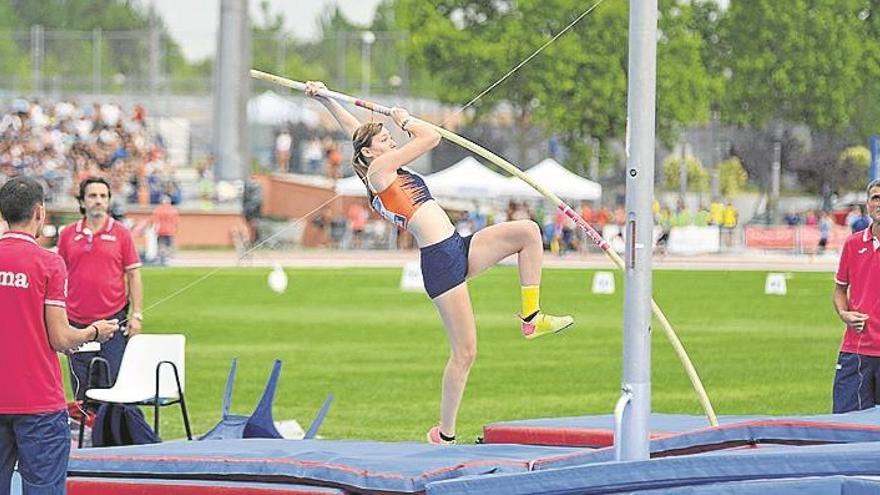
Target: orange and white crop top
(398, 202)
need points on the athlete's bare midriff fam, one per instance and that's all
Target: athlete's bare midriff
(430, 224)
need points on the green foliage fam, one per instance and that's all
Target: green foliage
(856, 156)
(732, 176)
(577, 87)
(853, 163)
(799, 61)
(697, 176)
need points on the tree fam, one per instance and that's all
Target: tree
(697, 176)
(13, 60)
(797, 61)
(576, 88)
(732, 176)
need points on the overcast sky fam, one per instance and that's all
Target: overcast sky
(193, 23)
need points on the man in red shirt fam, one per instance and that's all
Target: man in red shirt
(105, 280)
(858, 306)
(165, 219)
(33, 326)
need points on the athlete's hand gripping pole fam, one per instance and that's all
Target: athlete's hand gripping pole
(567, 210)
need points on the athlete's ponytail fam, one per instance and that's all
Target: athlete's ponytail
(363, 138)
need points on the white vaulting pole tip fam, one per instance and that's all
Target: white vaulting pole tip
(278, 279)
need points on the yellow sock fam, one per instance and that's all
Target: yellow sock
(530, 297)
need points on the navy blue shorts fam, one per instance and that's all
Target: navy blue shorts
(856, 382)
(445, 264)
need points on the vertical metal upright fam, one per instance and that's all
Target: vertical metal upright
(231, 90)
(634, 408)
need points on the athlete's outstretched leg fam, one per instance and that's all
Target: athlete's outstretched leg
(457, 314)
(523, 238)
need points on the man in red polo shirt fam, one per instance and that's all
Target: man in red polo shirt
(33, 326)
(857, 301)
(105, 281)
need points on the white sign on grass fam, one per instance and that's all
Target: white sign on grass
(603, 283)
(775, 284)
(411, 280)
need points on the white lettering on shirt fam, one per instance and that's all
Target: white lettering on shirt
(13, 279)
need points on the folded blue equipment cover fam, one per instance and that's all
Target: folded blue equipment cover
(681, 473)
(597, 431)
(360, 465)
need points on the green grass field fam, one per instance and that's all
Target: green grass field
(381, 351)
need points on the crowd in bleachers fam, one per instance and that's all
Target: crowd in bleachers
(61, 143)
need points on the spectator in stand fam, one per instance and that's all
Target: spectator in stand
(729, 223)
(586, 212)
(105, 280)
(601, 219)
(716, 213)
(334, 159)
(62, 144)
(252, 208)
(810, 218)
(620, 217)
(702, 218)
(34, 432)
(165, 220)
(857, 284)
(283, 143)
(791, 218)
(730, 216)
(312, 156)
(861, 221)
(824, 231)
(357, 222)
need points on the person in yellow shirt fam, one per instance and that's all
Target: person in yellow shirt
(729, 219)
(728, 223)
(716, 213)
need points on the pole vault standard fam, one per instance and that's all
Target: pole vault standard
(567, 210)
(631, 436)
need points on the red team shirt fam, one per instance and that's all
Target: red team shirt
(30, 278)
(97, 262)
(860, 270)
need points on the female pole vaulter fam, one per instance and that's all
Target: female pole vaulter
(447, 259)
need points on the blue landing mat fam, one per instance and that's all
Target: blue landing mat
(355, 465)
(834, 485)
(779, 469)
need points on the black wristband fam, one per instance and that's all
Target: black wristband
(95, 338)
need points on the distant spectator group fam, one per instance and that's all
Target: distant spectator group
(61, 143)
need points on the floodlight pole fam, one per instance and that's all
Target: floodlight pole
(634, 408)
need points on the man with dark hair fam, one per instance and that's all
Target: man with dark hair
(105, 281)
(33, 326)
(855, 299)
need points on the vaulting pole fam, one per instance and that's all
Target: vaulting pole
(567, 210)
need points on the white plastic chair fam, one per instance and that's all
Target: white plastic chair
(152, 372)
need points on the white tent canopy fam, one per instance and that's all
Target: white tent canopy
(560, 181)
(351, 186)
(270, 108)
(468, 179)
